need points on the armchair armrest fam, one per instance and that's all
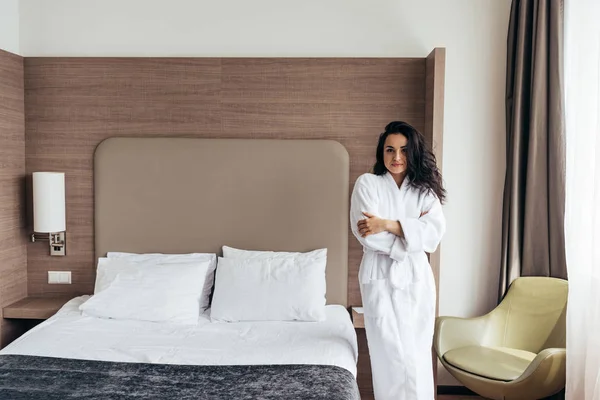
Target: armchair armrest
(452, 332)
(549, 363)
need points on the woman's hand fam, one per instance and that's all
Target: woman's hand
(371, 225)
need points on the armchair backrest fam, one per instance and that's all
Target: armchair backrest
(532, 314)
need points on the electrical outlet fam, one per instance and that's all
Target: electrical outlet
(59, 277)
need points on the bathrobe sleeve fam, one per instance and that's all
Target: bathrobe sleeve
(425, 233)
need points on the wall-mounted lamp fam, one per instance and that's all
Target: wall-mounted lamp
(49, 222)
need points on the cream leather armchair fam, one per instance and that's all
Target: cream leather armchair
(517, 351)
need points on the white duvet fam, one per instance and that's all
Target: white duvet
(68, 334)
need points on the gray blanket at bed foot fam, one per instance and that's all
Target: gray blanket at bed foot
(33, 378)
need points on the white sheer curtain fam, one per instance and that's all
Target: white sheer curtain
(582, 219)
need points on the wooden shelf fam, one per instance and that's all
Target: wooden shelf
(34, 307)
(358, 318)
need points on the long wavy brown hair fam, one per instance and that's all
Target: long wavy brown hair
(422, 171)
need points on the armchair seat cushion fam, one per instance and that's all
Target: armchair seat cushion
(499, 363)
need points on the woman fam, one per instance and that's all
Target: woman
(396, 214)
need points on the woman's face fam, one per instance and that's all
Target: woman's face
(394, 153)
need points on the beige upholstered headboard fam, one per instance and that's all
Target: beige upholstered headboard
(177, 195)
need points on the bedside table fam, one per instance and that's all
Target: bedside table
(364, 379)
(358, 317)
(35, 307)
(24, 314)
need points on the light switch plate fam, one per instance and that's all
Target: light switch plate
(59, 277)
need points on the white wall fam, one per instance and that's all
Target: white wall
(9, 25)
(473, 32)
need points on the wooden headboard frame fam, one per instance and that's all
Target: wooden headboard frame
(74, 103)
(435, 70)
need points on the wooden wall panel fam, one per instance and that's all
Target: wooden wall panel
(434, 129)
(13, 249)
(74, 103)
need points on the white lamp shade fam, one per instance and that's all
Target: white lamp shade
(49, 202)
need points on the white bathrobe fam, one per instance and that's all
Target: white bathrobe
(397, 285)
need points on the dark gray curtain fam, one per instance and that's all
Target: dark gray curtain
(533, 241)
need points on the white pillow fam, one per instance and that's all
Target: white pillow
(230, 252)
(270, 289)
(158, 258)
(149, 292)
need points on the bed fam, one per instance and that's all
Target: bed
(182, 195)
